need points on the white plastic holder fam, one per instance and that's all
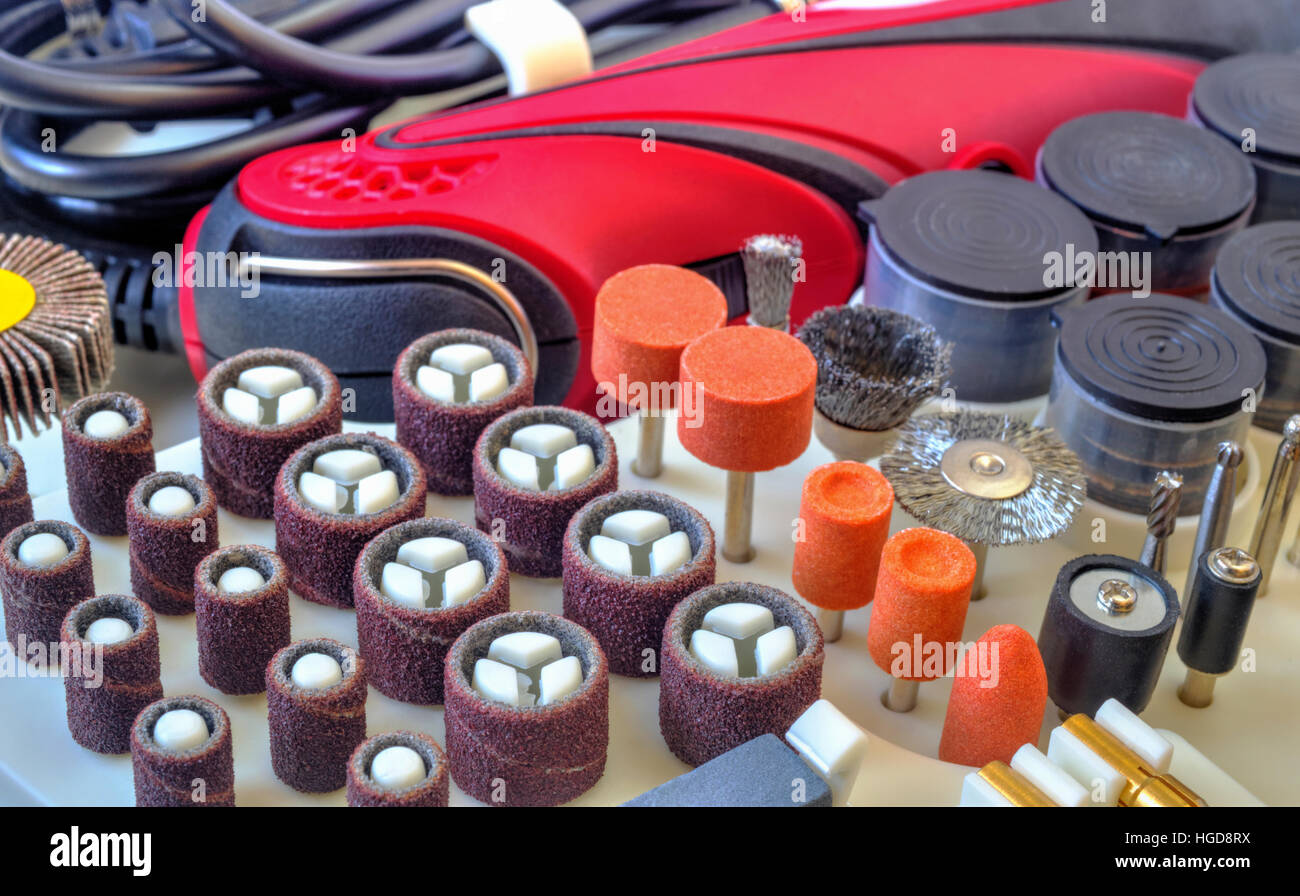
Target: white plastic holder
(539, 42)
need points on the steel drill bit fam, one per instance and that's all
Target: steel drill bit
(770, 262)
(1216, 512)
(1276, 505)
(1166, 495)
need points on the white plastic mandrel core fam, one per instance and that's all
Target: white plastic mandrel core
(397, 768)
(269, 380)
(42, 550)
(497, 681)
(432, 554)
(346, 466)
(240, 579)
(559, 679)
(717, 652)
(180, 730)
(269, 394)
(377, 492)
(636, 526)
(462, 372)
(670, 553)
(171, 500)
(1154, 748)
(775, 650)
(322, 493)
(739, 620)
(460, 358)
(109, 630)
(831, 744)
(105, 424)
(316, 670)
(525, 650)
(1054, 782)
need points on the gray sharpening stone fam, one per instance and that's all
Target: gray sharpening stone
(760, 772)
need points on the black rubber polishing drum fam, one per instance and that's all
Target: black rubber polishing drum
(1161, 192)
(1147, 385)
(1257, 281)
(972, 254)
(1253, 101)
(1107, 629)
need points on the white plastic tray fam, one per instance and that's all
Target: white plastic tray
(1250, 732)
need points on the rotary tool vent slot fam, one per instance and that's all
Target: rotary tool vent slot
(342, 177)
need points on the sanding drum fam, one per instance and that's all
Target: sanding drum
(1144, 386)
(107, 447)
(965, 251)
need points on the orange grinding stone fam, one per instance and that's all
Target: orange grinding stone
(922, 593)
(747, 398)
(845, 515)
(998, 698)
(644, 317)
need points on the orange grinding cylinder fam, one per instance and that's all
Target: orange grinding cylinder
(845, 514)
(644, 317)
(752, 391)
(923, 589)
(998, 698)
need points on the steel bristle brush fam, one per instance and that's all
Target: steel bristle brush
(56, 340)
(874, 369)
(990, 480)
(770, 261)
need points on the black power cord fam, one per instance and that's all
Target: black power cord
(296, 71)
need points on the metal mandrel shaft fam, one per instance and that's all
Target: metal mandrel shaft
(1276, 506)
(738, 523)
(649, 461)
(1216, 512)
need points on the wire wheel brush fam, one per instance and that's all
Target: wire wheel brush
(990, 480)
(56, 340)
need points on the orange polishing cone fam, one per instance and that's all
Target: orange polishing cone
(998, 698)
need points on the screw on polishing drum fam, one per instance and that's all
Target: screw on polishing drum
(992, 481)
(874, 368)
(1107, 628)
(1252, 99)
(1257, 281)
(418, 586)
(316, 713)
(629, 558)
(331, 497)
(1153, 184)
(1218, 607)
(966, 251)
(255, 410)
(447, 388)
(644, 317)
(534, 468)
(107, 447)
(241, 616)
(998, 697)
(177, 741)
(401, 769)
(738, 660)
(515, 745)
(15, 502)
(1165, 380)
(922, 594)
(45, 570)
(123, 628)
(845, 510)
(56, 338)
(171, 526)
(753, 389)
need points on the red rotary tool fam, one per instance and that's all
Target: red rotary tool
(506, 216)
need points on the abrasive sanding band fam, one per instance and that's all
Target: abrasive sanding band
(313, 731)
(626, 613)
(532, 523)
(36, 598)
(506, 755)
(15, 502)
(320, 549)
(102, 706)
(404, 647)
(703, 714)
(197, 777)
(165, 550)
(239, 632)
(240, 459)
(442, 434)
(101, 472)
(433, 790)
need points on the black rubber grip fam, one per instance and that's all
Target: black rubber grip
(1214, 624)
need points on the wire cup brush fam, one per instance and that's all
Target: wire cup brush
(56, 340)
(771, 263)
(990, 480)
(874, 369)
